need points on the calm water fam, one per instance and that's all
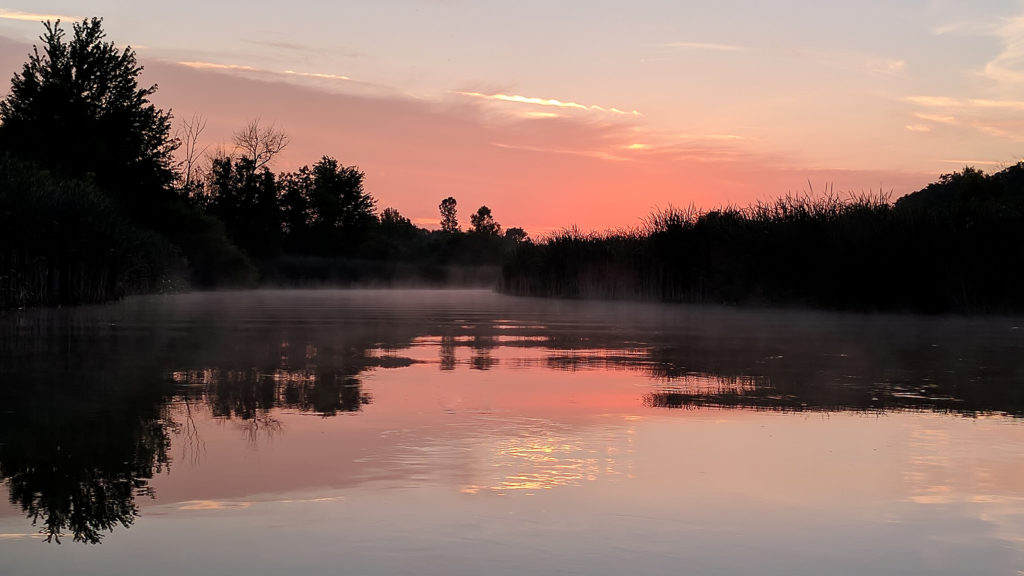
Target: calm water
(462, 432)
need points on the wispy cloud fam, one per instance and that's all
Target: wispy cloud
(984, 103)
(974, 162)
(709, 46)
(517, 99)
(542, 115)
(933, 101)
(709, 137)
(316, 75)
(198, 65)
(1008, 66)
(886, 66)
(968, 28)
(851, 60)
(967, 103)
(600, 154)
(999, 118)
(213, 505)
(216, 66)
(937, 118)
(33, 16)
(281, 45)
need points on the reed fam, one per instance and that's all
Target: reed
(957, 245)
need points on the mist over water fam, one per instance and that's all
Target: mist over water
(461, 432)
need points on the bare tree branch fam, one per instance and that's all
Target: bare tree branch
(188, 135)
(260, 143)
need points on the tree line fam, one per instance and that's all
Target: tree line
(101, 197)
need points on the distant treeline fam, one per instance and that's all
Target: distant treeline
(957, 245)
(100, 197)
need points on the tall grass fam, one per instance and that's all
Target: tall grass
(859, 252)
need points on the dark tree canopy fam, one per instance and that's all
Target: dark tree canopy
(325, 208)
(516, 235)
(245, 199)
(484, 223)
(76, 106)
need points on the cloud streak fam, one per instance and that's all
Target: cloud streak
(707, 46)
(999, 118)
(517, 99)
(570, 151)
(317, 75)
(221, 67)
(33, 16)
(218, 67)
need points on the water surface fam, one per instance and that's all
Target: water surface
(463, 432)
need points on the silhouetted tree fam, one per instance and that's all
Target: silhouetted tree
(391, 217)
(484, 223)
(516, 235)
(260, 143)
(189, 175)
(76, 106)
(296, 216)
(245, 199)
(449, 221)
(326, 209)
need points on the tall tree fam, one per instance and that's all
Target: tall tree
(449, 221)
(76, 106)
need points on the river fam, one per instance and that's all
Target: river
(463, 432)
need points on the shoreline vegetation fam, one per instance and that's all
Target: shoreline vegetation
(955, 246)
(102, 197)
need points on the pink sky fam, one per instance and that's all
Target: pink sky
(588, 115)
(538, 173)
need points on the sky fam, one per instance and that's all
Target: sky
(588, 114)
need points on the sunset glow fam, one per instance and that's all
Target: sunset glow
(575, 117)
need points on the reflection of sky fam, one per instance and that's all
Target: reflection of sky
(715, 490)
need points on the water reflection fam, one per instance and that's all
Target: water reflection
(78, 449)
(92, 397)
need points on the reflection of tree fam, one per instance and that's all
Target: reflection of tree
(808, 368)
(87, 415)
(447, 351)
(317, 379)
(77, 451)
(483, 346)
